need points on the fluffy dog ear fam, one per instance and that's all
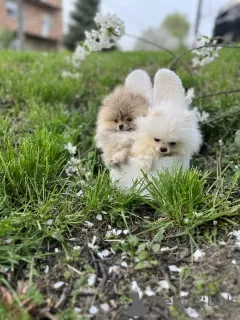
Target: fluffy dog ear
(168, 88)
(138, 81)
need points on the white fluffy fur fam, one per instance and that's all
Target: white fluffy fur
(168, 90)
(169, 121)
(139, 82)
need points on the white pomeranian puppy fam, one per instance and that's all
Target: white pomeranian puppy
(169, 129)
(116, 123)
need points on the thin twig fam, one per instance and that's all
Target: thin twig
(174, 61)
(216, 94)
(159, 47)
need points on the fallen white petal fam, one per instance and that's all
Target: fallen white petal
(124, 264)
(174, 268)
(92, 279)
(46, 270)
(114, 269)
(192, 313)
(58, 284)
(103, 254)
(184, 293)
(226, 296)
(198, 254)
(93, 310)
(105, 307)
(163, 285)
(149, 292)
(135, 287)
(99, 217)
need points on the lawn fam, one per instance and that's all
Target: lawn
(72, 246)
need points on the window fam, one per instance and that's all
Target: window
(48, 24)
(12, 9)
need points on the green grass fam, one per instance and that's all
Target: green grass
(40, 207)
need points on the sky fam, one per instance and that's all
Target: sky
(140, 14)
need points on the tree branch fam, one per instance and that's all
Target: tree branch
(197, 48)
(159, 47)
(216, 94)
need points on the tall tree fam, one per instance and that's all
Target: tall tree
(177, 25)
(82, 20)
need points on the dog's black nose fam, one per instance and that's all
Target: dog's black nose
(163, 149)
(121, 126)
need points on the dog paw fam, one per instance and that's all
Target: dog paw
(145, 166)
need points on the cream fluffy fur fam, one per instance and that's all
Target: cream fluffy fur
(116, 122)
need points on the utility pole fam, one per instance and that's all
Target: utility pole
(20, 32)
(198, 17)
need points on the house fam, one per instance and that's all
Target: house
(227, 23)
(42, 22)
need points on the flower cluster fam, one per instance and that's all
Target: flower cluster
(189, 96)
(110, 29)
(201, 116)
(206, 51)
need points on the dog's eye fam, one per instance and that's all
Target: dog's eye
(172, 143)
(157, 140)
(129, 119)
(116, 120)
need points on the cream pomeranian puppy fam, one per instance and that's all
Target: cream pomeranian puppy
(116, 122)
(169, 129)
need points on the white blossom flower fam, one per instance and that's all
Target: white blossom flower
(92, 41)
(105, 307)
(78, 56)
(70, 148)
(135, 287)
(201, 116)
(92, 279)
(207, 54)
(198, 254)
(189, 96)
(68, 74)
(113, 232)
(93, 310)
(92, 245)
(73, 166)
(110, 22)
(110, 28)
